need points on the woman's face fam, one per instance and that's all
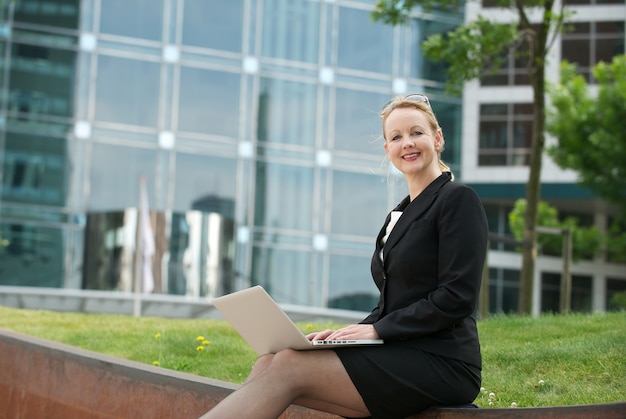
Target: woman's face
(411, 144)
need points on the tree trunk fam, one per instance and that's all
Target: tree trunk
(533, 185)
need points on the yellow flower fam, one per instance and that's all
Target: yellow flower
(200, 348)
(200, 338)
(158, 335)
(155, 363)
(309, 326)
(206, 342)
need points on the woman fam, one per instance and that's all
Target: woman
(427, 266)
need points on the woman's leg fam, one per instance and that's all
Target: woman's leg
(313, 378)
(259, 366)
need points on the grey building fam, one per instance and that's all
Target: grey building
(497, 123)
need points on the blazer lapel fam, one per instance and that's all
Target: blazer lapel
(412, 211)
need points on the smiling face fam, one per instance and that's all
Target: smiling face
(413, 143)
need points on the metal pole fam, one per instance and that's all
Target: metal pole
(483, 305)
(566, 277)
(138, 265)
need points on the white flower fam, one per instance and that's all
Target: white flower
(513, 405)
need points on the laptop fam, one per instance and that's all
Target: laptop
(266, 327)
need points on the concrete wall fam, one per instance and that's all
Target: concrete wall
(47, 380)
(43, 379)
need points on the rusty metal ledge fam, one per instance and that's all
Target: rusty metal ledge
(45, 379)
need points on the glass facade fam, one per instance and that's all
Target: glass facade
(254, 125)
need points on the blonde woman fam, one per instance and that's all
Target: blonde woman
(427, 265)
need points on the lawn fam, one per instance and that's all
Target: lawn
(547, 361)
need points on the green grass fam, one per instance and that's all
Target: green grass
(554, 360)
(548, 361)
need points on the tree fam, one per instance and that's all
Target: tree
(587, 241)
(590, 131)
(476, 47)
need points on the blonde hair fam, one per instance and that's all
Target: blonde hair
(400, 102)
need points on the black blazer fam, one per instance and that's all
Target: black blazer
(430, 280)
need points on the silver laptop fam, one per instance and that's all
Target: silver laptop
(266, 327)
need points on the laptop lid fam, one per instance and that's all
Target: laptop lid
(265, 326)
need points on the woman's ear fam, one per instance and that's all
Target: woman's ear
(439, 141)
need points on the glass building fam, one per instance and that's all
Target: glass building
(253, 123)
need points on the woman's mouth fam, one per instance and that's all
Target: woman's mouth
(411, 156)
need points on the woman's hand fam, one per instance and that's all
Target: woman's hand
(354, 331)
(320, 335)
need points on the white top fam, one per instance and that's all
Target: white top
(395, 216)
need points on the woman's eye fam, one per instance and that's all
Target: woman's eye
(417, 133)
(396, 138)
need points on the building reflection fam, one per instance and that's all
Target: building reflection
(193, 256)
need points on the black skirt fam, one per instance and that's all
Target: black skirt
(397, 380)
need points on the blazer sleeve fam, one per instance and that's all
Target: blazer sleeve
(462, 230)
(373, 316)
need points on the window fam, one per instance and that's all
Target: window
(35, 169)
(615, 245)
(505, 134)
(363, 45)
(513, 70)
(503, 290)
(290, 30)
(615, 294)
(500, 3)
(287, 112)
(137, 19)
(498, 221)
(350, 285)
(580, 300)
(116, 189)
(588, 43)
(588, 2)
(33, 256)
(449, 115)
(347, 205)
(284, 272)
(42, 81)
(59, 13)
(357, 125)
(492, 3)
(284, 198)
(205, 183)
(127, 91)
(422, 67)
(209, 102)
(213, 24)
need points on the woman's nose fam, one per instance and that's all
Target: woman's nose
(408, 142)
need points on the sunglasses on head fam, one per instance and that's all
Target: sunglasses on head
(415, 97)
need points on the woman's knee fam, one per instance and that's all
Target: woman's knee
(286, 363)
(259, 366)
(263, 361)
(285, 357)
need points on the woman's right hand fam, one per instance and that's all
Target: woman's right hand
(320, 335)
